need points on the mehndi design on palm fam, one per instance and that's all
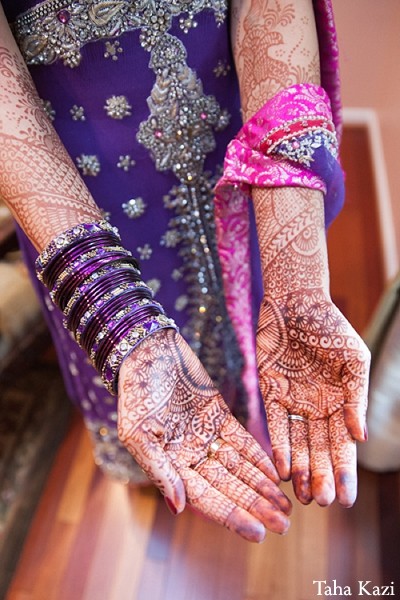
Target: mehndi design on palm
(177, 426)
(312, 363)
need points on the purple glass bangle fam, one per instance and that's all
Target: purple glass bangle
(67, 238)
(98, 286)
(106, 314)
(90, 313)
(62, 260)
(65, 288)
(110, 370)
(134, 318)
(90, 268)
(117, 267)
(106, 311)
(89, 293)
(122, 315)
(87, 303)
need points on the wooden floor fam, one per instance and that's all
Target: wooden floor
(94, 539)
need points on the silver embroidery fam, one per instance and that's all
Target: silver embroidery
(112, 50)
(49, 110)
(134, 208)
(221, 69)
(88, 164)
(58, 29)
(177, 274)
(187, 23)
(145, 252)
(78, 113)
(118, 107)
(125, 162)
(154, 285)
(181, 302)
(106, 215)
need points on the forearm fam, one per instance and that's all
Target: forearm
(275, 46)
(38, 180)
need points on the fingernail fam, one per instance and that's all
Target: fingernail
(171, 506)
(365, 432)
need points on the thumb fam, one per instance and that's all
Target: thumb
(155, 463)
(355, 379)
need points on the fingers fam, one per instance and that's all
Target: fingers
(253, 477)
(278, 428)
(322, 479)
(301, 474)
(238, 438)
(155, 463)
(243, 496)
(247, 514)
(344, 459)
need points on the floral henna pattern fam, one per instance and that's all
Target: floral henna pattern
(311, 361)
(38, 180)
(270, 50)
(169, 415)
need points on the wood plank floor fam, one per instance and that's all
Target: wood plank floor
(95, 539)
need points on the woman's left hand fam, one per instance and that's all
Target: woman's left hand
(314, 379)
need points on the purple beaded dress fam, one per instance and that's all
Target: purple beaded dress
(144, 96)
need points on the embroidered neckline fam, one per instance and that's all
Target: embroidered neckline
(59, 29)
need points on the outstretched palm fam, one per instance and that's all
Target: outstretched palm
(177, 426)
(313, 365)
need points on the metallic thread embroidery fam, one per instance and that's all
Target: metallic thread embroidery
(221, 69)
(154, 285)
(112, 50)
(144, 252)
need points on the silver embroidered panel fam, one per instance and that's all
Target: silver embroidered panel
(60, 28)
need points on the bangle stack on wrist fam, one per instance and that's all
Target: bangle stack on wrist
(97, 285)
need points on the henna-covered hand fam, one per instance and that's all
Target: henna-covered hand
(312, 363)
(177, 426)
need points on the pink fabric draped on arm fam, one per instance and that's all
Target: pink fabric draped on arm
(295, 116)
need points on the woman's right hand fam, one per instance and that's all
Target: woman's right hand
(177, 426)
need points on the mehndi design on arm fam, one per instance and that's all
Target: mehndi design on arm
(37, 177)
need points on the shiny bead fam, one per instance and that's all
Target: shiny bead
(64, 16)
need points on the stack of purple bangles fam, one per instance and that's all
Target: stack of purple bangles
(97, 285)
